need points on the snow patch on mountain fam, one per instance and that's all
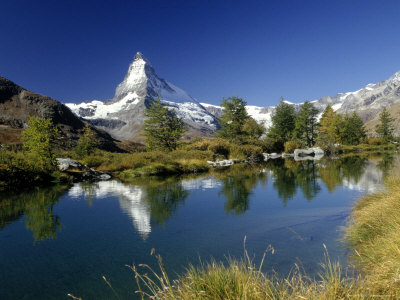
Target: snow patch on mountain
(134, 95)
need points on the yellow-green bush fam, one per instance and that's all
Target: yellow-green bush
(374, 141)
(220, 147)
(290, 146)
(251, 152)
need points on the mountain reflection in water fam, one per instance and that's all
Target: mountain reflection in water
(153, 201)
(159, 199)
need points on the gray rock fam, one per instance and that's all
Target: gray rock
(308, 154)
(65, 164)
(104, 177)
(271, 156)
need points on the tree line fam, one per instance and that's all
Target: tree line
(290, 129)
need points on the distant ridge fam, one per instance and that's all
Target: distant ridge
(18, 104)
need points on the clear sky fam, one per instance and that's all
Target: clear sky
(258, 50)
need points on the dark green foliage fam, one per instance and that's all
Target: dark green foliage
(233, 119)
(164, 200)
(352, 130)
(38, 139)
(385, 128)
(283, 124)
(162, 128)
(87, 142)
(306, 125)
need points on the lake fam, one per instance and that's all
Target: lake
(59, 240)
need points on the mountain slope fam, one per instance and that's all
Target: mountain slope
(368, 102)
(123, 115)
(18, 104)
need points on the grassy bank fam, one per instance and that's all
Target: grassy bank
(373, 234)
(18, 169)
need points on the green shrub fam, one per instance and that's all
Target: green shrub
(374, 141)
(201, 145)
(193, 166)
(220, 147)
(250, 152)
(292, 145)
(93, 161)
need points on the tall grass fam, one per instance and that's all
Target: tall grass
(242, 279)
(374, 234)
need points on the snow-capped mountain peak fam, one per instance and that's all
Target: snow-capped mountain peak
(123, 115)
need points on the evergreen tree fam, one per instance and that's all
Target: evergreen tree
(233, 119)
(162, 128)
(385, 128)
(87, 142)
(283, 124)
(38, 138)
(352, 130)
(329, 128)
(252, 130)
(306, 124)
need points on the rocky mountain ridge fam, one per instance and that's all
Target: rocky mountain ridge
(18, 104)
(368, 102)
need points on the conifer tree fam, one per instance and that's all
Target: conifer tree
(283, 124)
(233, 119)
(352, 131)
(385, 128)
(38, 138)
(87, 142)
(162, 128)
(306, 124)
(329, 127)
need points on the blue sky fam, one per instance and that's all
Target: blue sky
(258, 50)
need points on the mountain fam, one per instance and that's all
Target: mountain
(368, 102)
(123, 115)
(18, 104)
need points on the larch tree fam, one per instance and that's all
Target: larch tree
(233, 119)
(283, 124)
(163, 128)
(385, 128)
(38, 138)
(306, 125)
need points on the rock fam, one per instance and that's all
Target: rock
(271, 156)
(308, 154)
(65, 164)
(225, 163)
(104, 177)
(86, 173)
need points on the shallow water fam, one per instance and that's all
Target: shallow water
(55, 241)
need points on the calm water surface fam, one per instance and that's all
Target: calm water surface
(59, 240)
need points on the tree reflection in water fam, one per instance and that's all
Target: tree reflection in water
(164, 199)
(237, 185)
(37, 206)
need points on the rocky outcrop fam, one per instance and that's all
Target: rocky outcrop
(18, 104)
(79, 171)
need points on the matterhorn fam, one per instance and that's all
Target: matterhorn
(123, 115)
